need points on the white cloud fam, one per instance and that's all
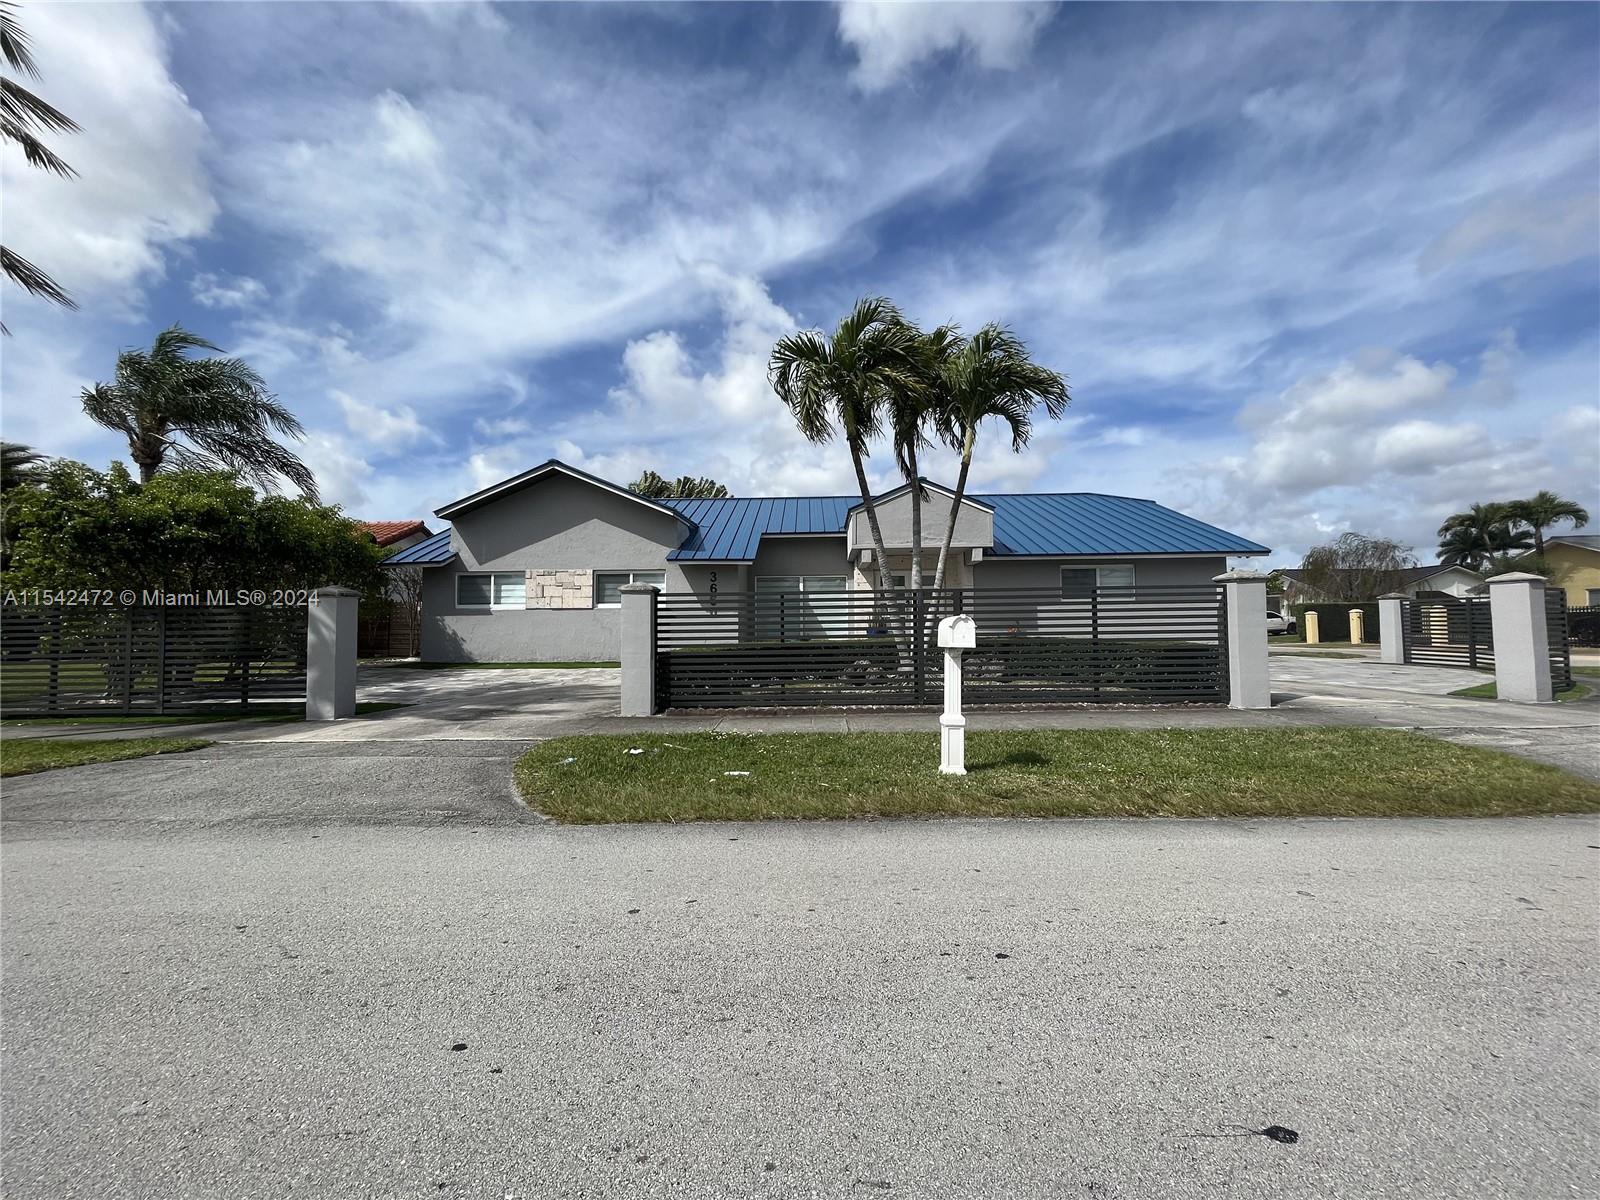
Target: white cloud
(141, 188)
(1532, 229)
(217, 289)
(891, 38)
(342, 474)
(389, 429)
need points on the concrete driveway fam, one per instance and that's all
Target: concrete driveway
(242, 972)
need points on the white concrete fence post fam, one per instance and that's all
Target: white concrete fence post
(1391, 628)
(1245, 606)
(1521, 638)
(331, 629)
(639, 649)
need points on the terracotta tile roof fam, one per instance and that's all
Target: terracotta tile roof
(387, 533)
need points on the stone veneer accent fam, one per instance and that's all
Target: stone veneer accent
(561, 589)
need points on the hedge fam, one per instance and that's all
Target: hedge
(1333, 621)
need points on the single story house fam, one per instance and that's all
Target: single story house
(1574, 561)
(531, 567)
(1453, 581)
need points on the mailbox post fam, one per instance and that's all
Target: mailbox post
(956, 634)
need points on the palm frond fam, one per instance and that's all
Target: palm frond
(14, 41)
(29, 277)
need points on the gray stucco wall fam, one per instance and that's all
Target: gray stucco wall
(1046, 572)
(800, 556)
(974, 525)
(554, 524)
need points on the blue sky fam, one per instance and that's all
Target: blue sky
(1308, 268)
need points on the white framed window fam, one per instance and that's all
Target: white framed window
(608, 585)
(1594, 597)
(492, 590)
(798, 606)
(1079, 582)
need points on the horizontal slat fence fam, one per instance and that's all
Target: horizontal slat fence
(1448, 632)
(69, 660)
(1036, 645)
(1558, 623)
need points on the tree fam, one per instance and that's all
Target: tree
(1355, 568)
(684, 487)
(990, 376)
(911, 408)
(220, 405)
(18, 464)
(23, 117)
(183, 531)
(1543, 510)
(1471, 539)
(1277, 583)
(842, 383)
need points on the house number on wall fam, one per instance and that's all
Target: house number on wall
(713, 591)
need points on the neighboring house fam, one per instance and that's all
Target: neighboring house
(531, 567)
(1454, 581)
(400, 534)
(1574, 562)
(391, 630)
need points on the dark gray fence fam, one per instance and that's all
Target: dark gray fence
(1136, 645)
(77, 660)
(1583, 625)
(1559, 623)
(1448, 631)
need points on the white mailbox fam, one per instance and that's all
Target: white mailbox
(959, 632)
(956, 634)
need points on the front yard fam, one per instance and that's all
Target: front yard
(1310, 772)
(28, 756)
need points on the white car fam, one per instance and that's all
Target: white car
(1278, 623)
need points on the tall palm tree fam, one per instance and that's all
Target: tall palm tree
(910, 410)
(843, 383)
(990, 375)
(220, 405)
(23, 116)
(1471, 539)
(18, 464)
(1543, 510)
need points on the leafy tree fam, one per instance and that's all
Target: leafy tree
(990, 376)
(23, 117)
(183, 531)
(1277, 583)
(842, 383)
(220, 405)
(1471, 539)
(684, 487)
(18, 464)
(1355, 568)
(1543, 510)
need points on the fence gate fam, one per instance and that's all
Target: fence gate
(149, 660)
(1137, 645)
(1448, 631)
(1559, 625)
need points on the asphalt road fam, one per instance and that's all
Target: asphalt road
(241, 974)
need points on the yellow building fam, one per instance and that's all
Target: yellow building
(1575, 565)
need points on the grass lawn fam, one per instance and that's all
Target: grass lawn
(1038, 773)
(484, 666)
(257, 712)
(1486, 691)
(27, 756)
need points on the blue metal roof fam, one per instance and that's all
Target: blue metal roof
(1048, 525)
(435, 549)
(730, 530)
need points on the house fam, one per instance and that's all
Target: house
(531, 567)
(400, 534)
(1454, 581)
(1574, 562)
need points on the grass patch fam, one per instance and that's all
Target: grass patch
(1311, 772)
(487, 666)
(28, 756)
(1486, 691)
(257, 712)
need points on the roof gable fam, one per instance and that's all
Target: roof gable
(552, 466)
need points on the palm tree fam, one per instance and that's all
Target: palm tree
(1474, 539)
(910, 409)
(990, 375)
(23, 116)
(684, 487)
(220, 405)
(1543, 510)
(18, 464)
(847, 380)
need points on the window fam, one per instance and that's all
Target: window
(1594, 597)
(503, 589)
(1080, 582)
(608, 585)
(818, 610)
